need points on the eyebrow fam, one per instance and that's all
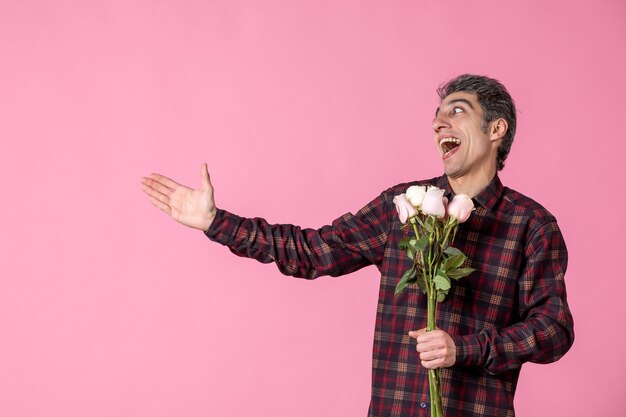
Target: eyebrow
(455, 101)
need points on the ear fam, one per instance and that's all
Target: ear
(498, 129)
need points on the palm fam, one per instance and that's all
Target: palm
(191, 207)
(187, 205)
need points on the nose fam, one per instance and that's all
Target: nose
(440, 122)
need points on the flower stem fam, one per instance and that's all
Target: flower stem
(432, 311)
(432, 385)
(417, 236)
(436, 406)
(449, 227)
(434, 375)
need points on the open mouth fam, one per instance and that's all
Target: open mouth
(448, 144)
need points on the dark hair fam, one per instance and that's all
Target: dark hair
(495, 101)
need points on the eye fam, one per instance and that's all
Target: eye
(456, 110)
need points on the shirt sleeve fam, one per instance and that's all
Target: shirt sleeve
(546, 331)
(351, 242)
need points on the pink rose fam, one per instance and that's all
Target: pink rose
(415, 194)
(404, 207)
(461, 207)
(433, 203)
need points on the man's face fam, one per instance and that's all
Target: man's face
(466, 150)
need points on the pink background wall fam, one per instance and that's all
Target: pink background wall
(303, 110)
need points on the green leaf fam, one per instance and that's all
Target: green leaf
(442, 282)
(400, 287)
(408, 245)
(406, 279)
(409, 273)
(459, 272)
(421, 282)
(454, 262)
(441, 295)
(421, 244)
(428, 224)
(451, 250)
(419, 220)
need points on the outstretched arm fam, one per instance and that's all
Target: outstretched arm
(191, 207)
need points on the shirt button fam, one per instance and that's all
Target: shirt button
(423, 404)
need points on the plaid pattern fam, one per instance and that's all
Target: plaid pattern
(513, 309)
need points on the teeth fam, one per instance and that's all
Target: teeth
(448, 144)
(449, 140)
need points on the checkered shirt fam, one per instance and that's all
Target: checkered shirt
(512, 309)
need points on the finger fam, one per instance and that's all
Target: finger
(150, 191)
(415, 333)
(434, 364)
(167, 182)
(423, 347)
(156, 188)
(427, 336)
(156, 195)
(160, 205)
(206, 178)
(428, 346)
(436, 355)
(429, 356)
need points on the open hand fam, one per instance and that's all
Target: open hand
(188, 206)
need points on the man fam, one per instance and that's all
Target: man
(511, 310)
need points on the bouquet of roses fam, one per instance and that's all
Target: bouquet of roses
(434, 223)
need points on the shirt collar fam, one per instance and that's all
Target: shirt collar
(487, 198)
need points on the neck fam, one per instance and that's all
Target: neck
(472, 184)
